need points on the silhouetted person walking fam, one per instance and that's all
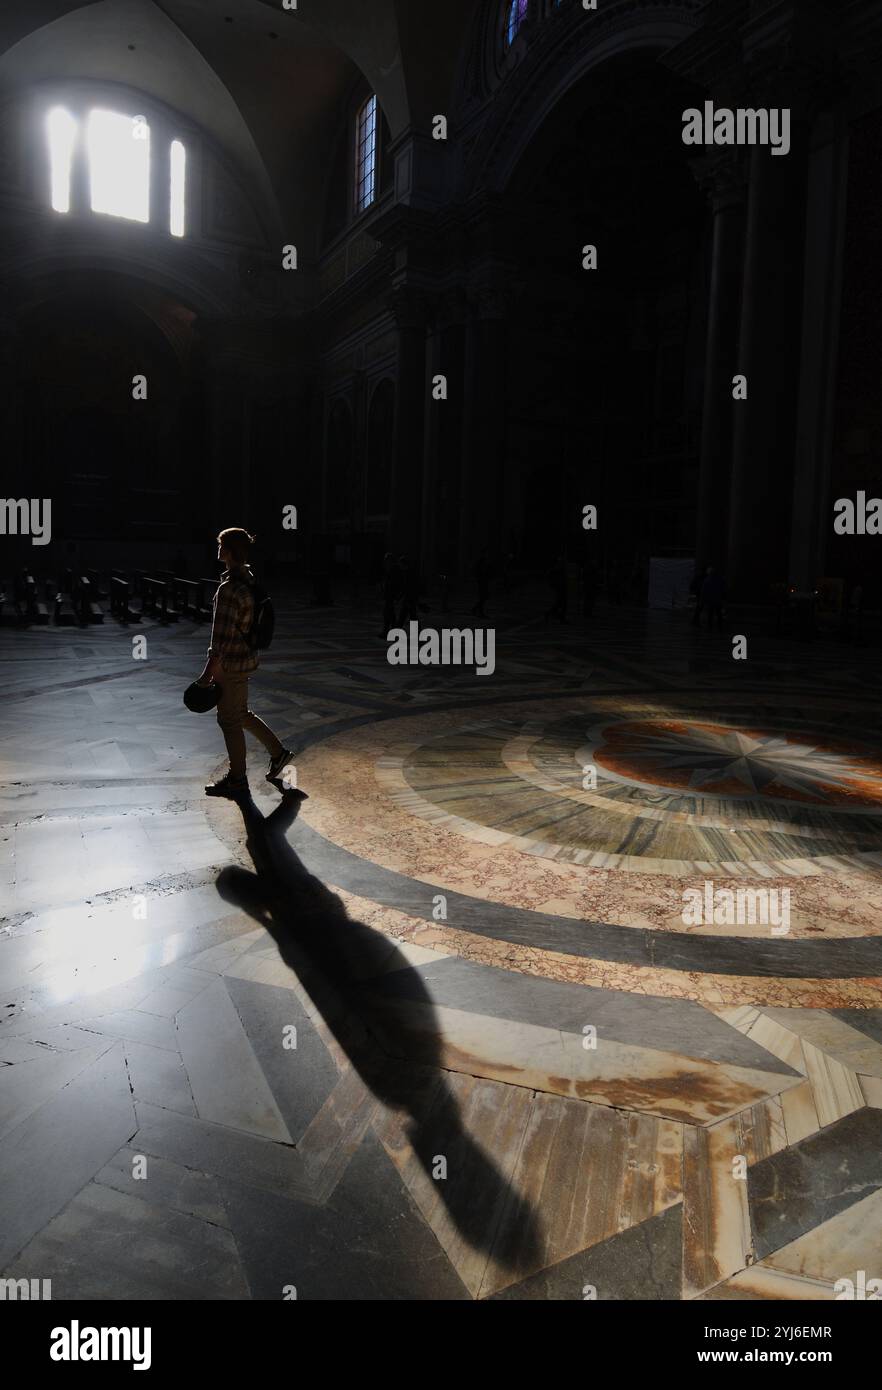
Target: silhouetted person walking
(232, 658)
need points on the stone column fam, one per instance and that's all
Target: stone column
(409, 310)
(10, 406)
(827, 197)
(433, 422)
(722, 176)
(769, 356)
(483, 439)
(443, 436)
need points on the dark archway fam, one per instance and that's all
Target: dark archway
(604, 365)
(115, 465)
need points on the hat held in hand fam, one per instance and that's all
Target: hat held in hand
(201, 698)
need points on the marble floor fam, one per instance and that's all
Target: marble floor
(441, 1029)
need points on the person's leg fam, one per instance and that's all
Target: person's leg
(255, 725)
(231, 715)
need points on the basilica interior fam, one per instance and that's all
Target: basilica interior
(436, 303)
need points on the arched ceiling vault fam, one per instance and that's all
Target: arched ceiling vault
(266, 84)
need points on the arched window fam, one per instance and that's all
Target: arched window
(117, 149)
(366, 154)
(515, 14)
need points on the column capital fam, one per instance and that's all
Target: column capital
(490, 292)
(408, 305)
(490, 302)
(451, 308)
(722, 176)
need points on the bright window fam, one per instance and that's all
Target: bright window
(117, 149)
(119, 164)
(366, 154)
(62, 130)
(178, 171)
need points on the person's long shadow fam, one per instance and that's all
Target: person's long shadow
(342, 964)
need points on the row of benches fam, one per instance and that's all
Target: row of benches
(76, 600)
(162, 596)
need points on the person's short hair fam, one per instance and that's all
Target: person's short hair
(238, 543)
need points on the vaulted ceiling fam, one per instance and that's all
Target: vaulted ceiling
(267, 84)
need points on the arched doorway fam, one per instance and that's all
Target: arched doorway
(121, 462)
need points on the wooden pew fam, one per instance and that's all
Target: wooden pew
(87, 609)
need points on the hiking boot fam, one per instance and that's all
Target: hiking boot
(231, 787)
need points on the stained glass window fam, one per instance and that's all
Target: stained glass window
(366, 154)
(517, 13)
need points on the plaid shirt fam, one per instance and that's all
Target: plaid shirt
(233, 616)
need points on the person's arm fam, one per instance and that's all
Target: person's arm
(221, 627)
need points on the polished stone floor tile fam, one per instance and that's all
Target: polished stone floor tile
(136, 1026)
(640, 1264)
(228, 1085)
(27, 1085)
(808, 1183)
(219, 1150)
(159, 1077)
(293, 1058)
(838, 1249)
(49, 1157)
(108, 1244)
(367, 1242)
(717, 1237)
(164, 1184)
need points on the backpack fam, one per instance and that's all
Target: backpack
(260, 634)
